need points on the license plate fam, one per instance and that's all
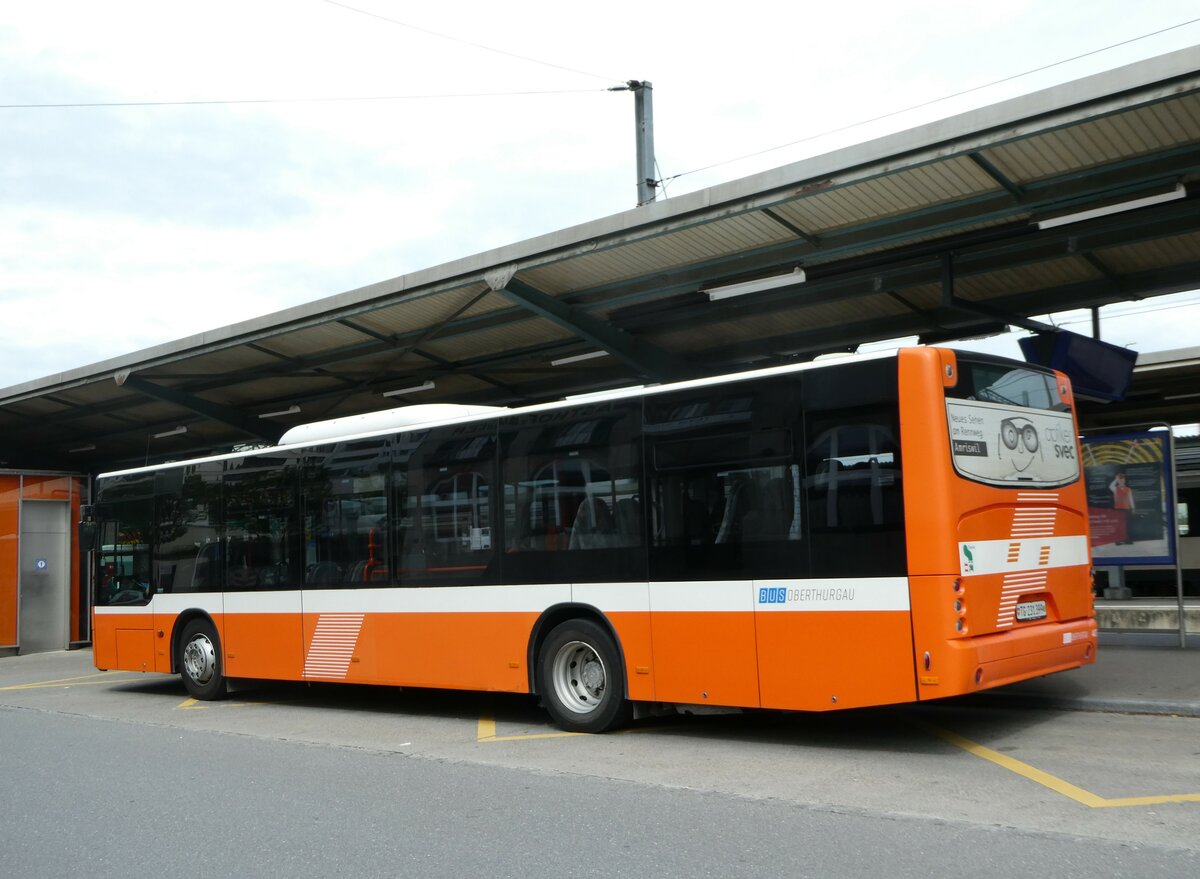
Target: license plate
(1031, 610)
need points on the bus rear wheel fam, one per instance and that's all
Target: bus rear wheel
(200, 661)
(580, 678)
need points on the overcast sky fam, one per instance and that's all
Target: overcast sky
(124, 227)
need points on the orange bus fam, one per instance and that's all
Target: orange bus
(864, 531)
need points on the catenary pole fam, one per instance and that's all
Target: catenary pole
(643, 111)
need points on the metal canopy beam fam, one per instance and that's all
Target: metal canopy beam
(646, 359)
(839, 249)
(1014, 245)
(913, 225)
(1007, 247)
(618, 283)
(978, 253)
(949, 300)
(790, 346)
(992, 171)
(228, 415)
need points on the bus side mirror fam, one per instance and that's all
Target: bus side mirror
(88, 530)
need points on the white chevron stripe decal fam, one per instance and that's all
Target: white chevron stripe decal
(1011, 590)
(332, 645)
(1034, 521)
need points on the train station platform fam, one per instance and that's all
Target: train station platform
(1126, 677)
(1158, 616)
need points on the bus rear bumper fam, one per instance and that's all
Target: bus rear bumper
(988, 661)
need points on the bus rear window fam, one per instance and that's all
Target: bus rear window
(1008, 427)
(1006, 384)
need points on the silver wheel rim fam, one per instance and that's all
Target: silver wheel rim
(579, 677)
(200, 659)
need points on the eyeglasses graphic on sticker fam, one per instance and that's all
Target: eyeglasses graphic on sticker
(1014, 431)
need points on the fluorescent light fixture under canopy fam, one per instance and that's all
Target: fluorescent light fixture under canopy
(576, 358)
(758, 285)
(400, 392)
(1178, 192)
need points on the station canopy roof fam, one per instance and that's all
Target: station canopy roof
(1077, 196)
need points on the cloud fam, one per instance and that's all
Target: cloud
(127, 227)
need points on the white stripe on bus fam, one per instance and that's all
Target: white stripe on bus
(980, 557)
(704, 596)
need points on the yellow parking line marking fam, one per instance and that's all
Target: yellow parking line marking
(81, 681)
(195, 704)
(547, 735)
(486, 732)
(1053, 782)
(1034, 774)
(1153, 801)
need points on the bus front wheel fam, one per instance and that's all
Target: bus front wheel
(580, 678)
(200, 661)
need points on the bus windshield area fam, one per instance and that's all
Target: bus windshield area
(123, 574)
(1009, 427)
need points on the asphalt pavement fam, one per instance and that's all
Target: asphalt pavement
(383, 781)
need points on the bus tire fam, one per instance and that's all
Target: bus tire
(580, 678)
(200, 661)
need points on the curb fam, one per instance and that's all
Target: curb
(1087, 703)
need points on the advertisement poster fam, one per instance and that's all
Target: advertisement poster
(1130, 499)
(1003, 445)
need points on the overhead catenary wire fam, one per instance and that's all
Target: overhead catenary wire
(663, 180)
(309, 100)
(352, 98)
(930, 102)
(1113, 311)
(482, 46)
(1133, 312)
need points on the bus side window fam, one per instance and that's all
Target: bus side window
(187, 509)
(854, 496)
(346, 515)
(442, 482)
(726, 483)
(572, 495)
(261, 521)
(126, 525)
(855, 479)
